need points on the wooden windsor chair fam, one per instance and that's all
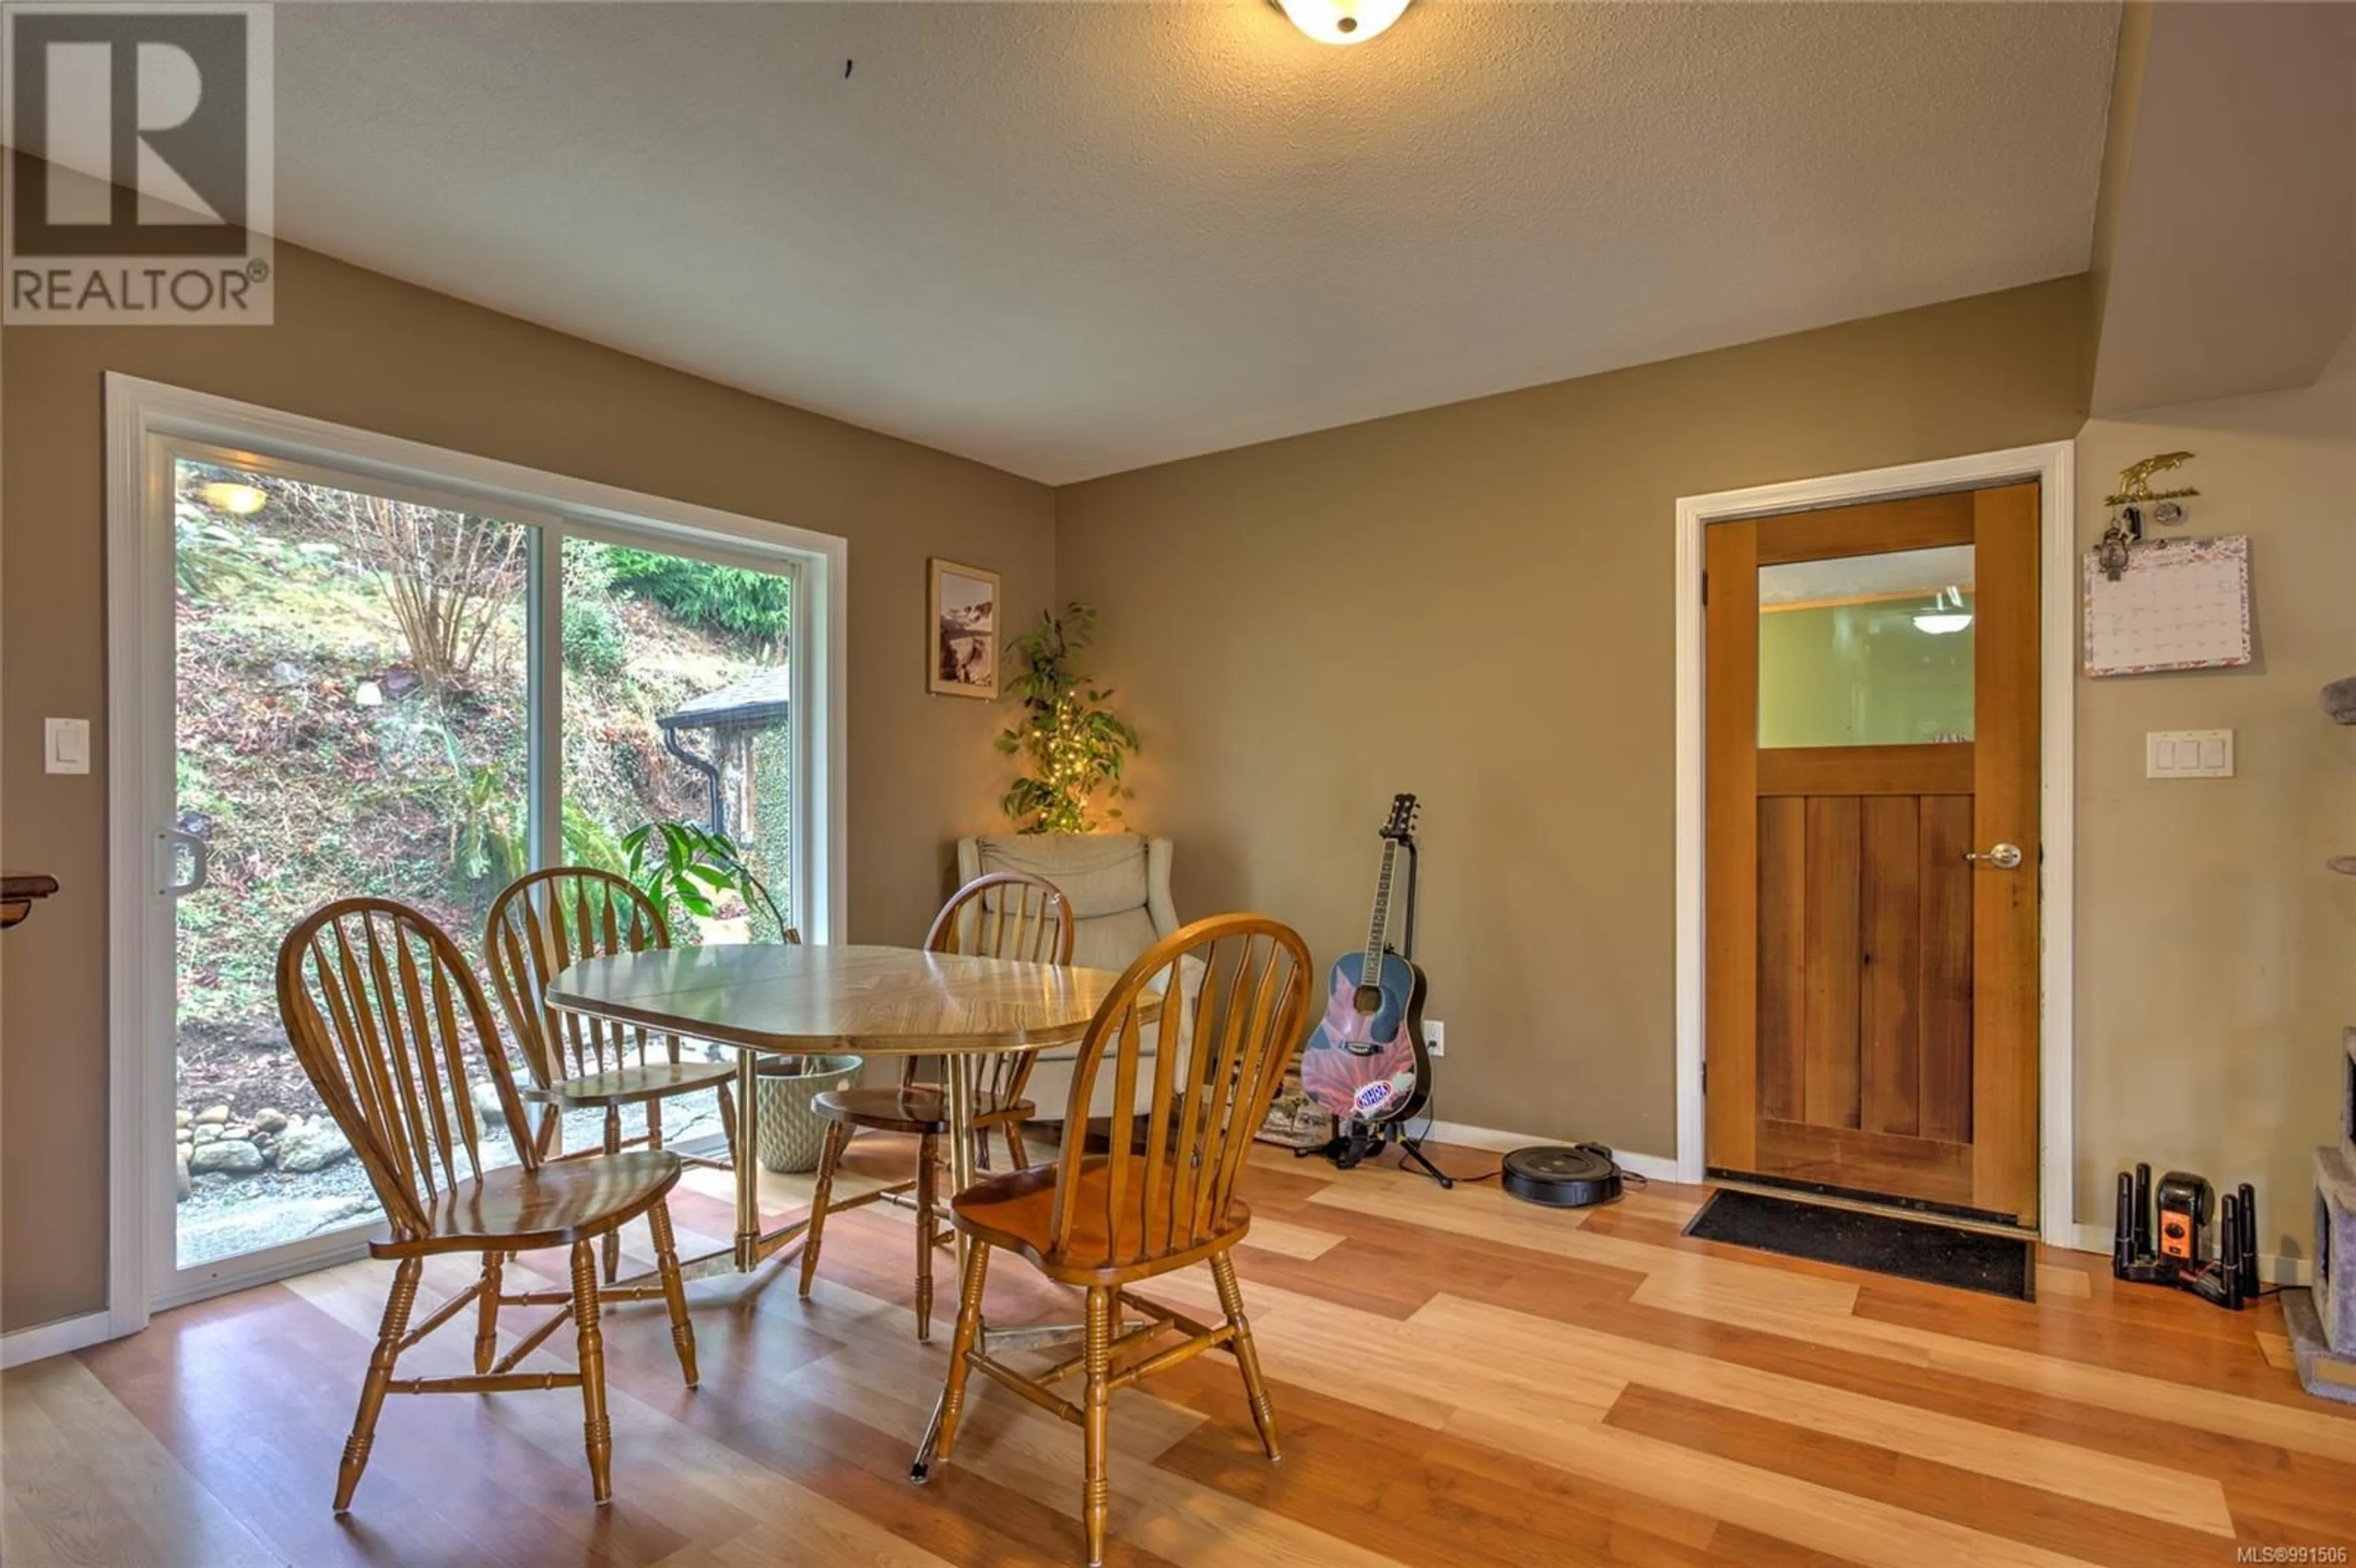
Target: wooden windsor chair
(1006, 915)
(1162, 1197)
(391, 1025)
(538, 926)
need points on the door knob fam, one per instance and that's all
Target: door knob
(2003, 858)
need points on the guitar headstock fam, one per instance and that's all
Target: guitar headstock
(1401, 827)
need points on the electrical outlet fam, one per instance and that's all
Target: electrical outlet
(1435, 1036)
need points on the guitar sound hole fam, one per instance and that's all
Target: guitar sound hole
(1369, 1000)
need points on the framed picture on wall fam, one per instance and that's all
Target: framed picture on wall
(962, 660)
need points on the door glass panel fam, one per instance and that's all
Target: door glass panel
(677, 710)
(1867, 650)
(350, 720)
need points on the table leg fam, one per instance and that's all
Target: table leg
(748, 1164)
(752, 1246)
(960, 1071)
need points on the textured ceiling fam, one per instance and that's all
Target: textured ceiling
(1069, 239)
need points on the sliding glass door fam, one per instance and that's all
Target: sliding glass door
(350, 716)
(678, 706)
(394, 691)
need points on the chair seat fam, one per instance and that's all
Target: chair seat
(920, 1108)
(1015, 1211)
(562, 1202)
(648, 1080)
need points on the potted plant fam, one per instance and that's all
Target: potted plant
(687, 865)
(1075, 747)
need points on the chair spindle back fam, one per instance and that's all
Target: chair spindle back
(549, 919)
(1004, 914)
(392, 1025)
(1215, 1068)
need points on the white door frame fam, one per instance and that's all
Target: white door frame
(143, 419)
(2051, 464)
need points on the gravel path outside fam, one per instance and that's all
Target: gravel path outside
(228, 1215)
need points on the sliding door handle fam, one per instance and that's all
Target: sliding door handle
(172, 840)
(2003, 858)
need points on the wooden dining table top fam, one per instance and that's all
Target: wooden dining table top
(879, 1001)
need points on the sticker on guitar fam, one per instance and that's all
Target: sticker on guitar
(1368, 1061)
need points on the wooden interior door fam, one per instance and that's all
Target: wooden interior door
(1872, 726)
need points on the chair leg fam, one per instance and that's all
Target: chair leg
(551, 1119)
(613, 1243)
(1097, 1423)
(969, 1330)
(486, 1321)
(379, 1374)
(728, 1121)
(1016, 1149)
(838, 1138)
(927, 1202)
(596, 1431)
(654, 1141)
(1231, 1301)
(683, 1334)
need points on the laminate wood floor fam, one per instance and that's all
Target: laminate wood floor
(1460, 1379)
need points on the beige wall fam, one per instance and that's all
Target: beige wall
(1474, 602)
(2216, 956)
(364, 351)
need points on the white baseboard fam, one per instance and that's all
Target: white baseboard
(2272, 1269)
(1651, 1167)
(44, 1340)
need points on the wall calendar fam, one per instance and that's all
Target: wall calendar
(2180, 604)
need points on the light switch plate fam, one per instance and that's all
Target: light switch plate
(2187, 754)
(66, 745)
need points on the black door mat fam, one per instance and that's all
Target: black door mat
(1935, 1254)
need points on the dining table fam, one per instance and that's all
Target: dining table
(804, 1000)
(871, 1001)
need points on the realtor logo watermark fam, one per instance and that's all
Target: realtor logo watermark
(139, 184)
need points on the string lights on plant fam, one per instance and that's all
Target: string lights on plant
(1076, 747)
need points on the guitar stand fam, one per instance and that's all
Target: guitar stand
(1411, 1153)
(1356, 1140)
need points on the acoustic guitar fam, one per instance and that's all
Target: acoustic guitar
(1367, 1062)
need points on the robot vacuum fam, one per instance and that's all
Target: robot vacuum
(1562, 1176)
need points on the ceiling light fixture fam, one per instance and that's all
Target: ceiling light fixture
(1341, 21)
(243, 500)
(1945, 616)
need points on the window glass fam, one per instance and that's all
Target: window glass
(1868, 650)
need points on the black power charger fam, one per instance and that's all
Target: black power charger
(2184, 1203)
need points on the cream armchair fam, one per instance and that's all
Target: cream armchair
(1118, 885)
